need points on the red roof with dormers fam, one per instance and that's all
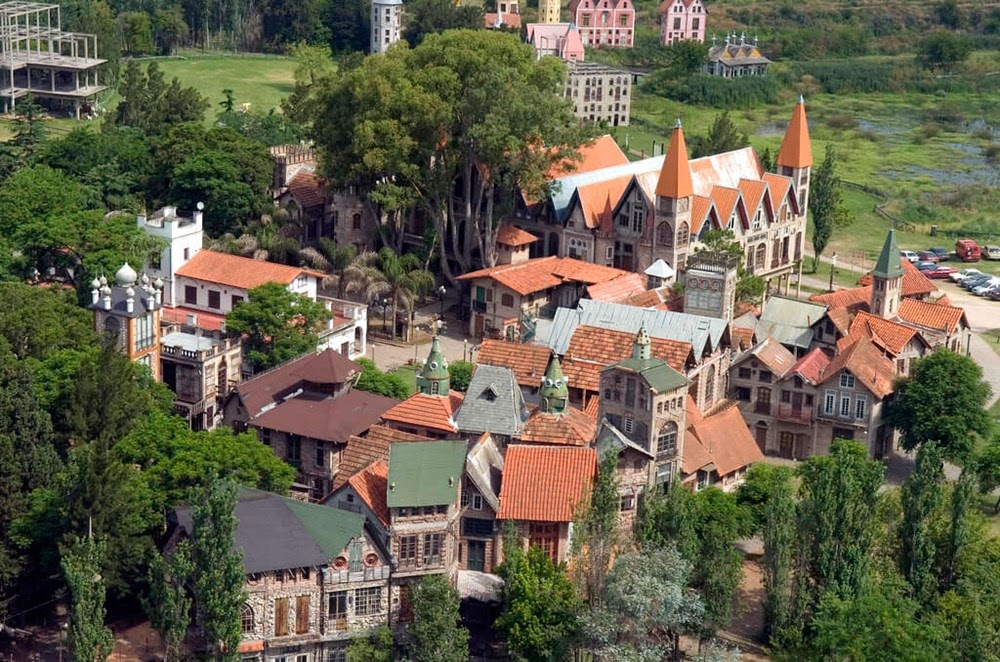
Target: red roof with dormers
(545, 483)
(431, 412)
(891, 336)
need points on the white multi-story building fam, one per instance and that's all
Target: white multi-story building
(599, 92)
(387, 16)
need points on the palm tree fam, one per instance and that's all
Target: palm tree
(398, 278)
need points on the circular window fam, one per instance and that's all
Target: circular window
(548, 382)
(371, 560)
(340, 563)
(434, 365)
(558, 383)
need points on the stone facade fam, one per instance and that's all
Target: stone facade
(478, 544)
(201, 370)
(599, 93)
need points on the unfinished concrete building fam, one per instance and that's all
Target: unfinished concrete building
(38, 58)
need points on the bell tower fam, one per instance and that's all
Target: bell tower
(672, 213)
(548, 11)
(434, 378)
(710, 284)
(887, 280)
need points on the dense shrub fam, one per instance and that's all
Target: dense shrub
(705, 90)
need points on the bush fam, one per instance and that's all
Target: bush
(705, 90)
(461, 374)
(374, 380)
(841, 121)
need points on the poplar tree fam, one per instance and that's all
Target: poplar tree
(438, 635)
(921, 497)
(168, 605)
(826, 204)
(89, 638)
(594, 545)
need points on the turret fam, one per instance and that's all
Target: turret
(795, 156)
(641, 346)
(887, 280)
(674, 190)
(554, 393)
(433, 378)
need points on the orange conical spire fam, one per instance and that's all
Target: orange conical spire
(796, 150)
(675, 176)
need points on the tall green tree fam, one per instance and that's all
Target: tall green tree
(169, 604)
(437, 631)
(541, 612)
(921, 497)
(826, 204)
(596, 536)
(219, 577)
(347, 22)
(169, 28)
(718, 565)
(426, 17)
(923, 412)
(723, 136)
(276, 325)
(152, 104)
(89, 638)
(646, 608)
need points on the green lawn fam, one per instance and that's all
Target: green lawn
(261, 81)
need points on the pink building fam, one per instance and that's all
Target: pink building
(558, 39)
(604, 22)
(682, 20)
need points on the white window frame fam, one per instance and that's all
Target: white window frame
(477, 501)
(829, 403)
(845, 406)
(846, 380)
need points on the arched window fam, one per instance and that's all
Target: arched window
(246, 619)
(356, 221)
(683, 235)
(666, 440)
(664, 235)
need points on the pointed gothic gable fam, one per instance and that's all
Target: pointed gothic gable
(754, 193)
(703, 215)
(675, 175)
(782, 192)
(727, 202)
(796, 149)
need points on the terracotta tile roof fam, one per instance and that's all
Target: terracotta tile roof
(853, 297)
(319, 369)
(237, 271)
(591, 349)
(308, 189)
(598, 200)
(325, 418)
(602, 153)
(841, 318)
(754, 193)
(942, 317)
(796, 149)
(915, 284)
(742, 336)
(700, 212)
(544, 273)
(725, 200)
(527, 362)
(655, 299)
(891, 336)
(781, 188)
(427, 411)
(868, 366)
(509, 20)
(812, 366)
(593, 407)
(387, 435)
(617, 289)
(675, 175)
(510, 235)
(202, 320)
(545, 483)
(774, 355)
(359, 453)
(572, 428)
(371, 484)
(725, 439)
(692, 413)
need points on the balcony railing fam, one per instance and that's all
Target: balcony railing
(789, 413)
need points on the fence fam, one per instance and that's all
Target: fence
(879, 208)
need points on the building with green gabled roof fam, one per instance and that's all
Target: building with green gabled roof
(887, 280)
(425, 473)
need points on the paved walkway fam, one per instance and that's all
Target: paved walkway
(455, 343)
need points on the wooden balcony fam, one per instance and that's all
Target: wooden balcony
(792, 415)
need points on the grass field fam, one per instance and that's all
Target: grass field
(261, 81)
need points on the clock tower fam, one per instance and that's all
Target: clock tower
(710, 284)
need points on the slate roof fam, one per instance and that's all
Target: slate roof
(425, 473)
(528, 362)
(790, 321)
(543, 273)
(277, 533)
(570, 428)
(427, 411)
(591, 349)
(887, 265)
(484, 467)
(118, 302)
(236, 271)
(493, 403)
(724, 439)
(326, 418)
(545, 483)
(704, 334)
(370, 484)
(320, 368)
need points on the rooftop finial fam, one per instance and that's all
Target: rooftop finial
(801, 99)
(677, 124)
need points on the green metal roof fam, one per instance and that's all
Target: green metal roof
(656, 372)
(888, 261)
(554, 391)
(330, 528)
(424, 473)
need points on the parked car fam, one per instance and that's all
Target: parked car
(925, 265)
(993, 252)
(975, 281)
(995, 294)
(959, 276)
(928, 256)
(967, 250)
(942, 252)
(941, 271)
(987, 285)
(908, 255)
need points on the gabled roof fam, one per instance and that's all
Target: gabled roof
(593, 348)
(789, 320)
(725, 199)
(754, 191)
(781, 189)
(492, 403)
(332, 419)
(389, 435)
(772, 354)
(812, 366)
(863, 360)
(278, 533)
(619, 288)
(484, 467)
(370, 484)
(796, 148)
(852, 297)
(324, 368)
(359, 453)
(609, 437)
(544, 273)
(841, 318)
(701, 211)
(726, 441)
(241, 272)
(598, 201)
(887, 265)
(675, 174)
(603, 152)
(425, 473)
(509, 235)
(307, 188)
(891, 336)
(937, 316)
(427, 411)
(527, 362)
(570, 428)
(545, 483)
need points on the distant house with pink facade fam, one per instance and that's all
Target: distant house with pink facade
(559, 39)
(682, 20)
(604, 22)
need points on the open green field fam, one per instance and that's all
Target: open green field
(261, 81)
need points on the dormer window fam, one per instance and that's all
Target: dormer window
(846, 380)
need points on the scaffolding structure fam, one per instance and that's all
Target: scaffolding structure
(38, 58)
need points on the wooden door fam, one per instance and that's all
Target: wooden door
(786, 444)
(477, 556)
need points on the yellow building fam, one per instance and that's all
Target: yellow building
(548, 11)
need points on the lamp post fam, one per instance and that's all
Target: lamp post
(385, 306)
(441, 292)
(833, 268)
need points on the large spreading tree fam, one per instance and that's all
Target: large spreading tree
(457, 128)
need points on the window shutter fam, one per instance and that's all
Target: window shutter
(281, 617)
(302, 614)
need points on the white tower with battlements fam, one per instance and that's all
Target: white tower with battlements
(387, 18)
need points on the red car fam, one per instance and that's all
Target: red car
(928, 256)
(940, 271)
